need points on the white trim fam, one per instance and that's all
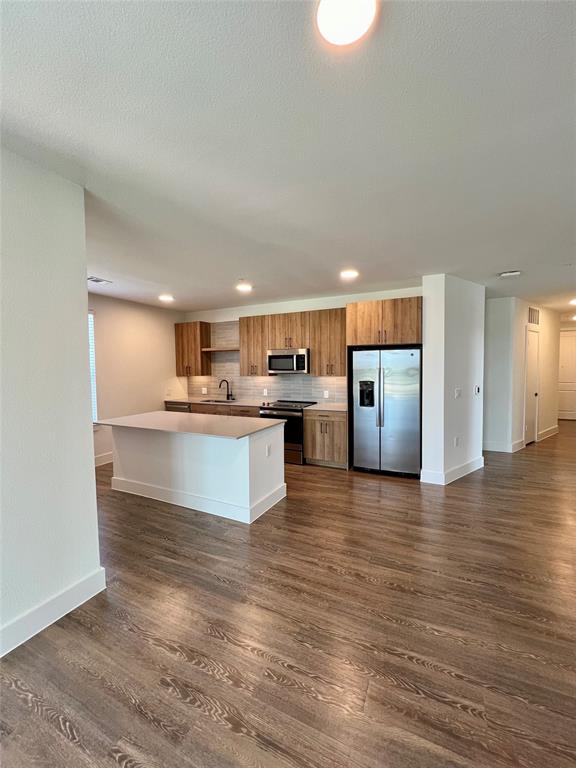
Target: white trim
(445, 478)
(501, 447)
(566, 415)
(242, 514)
(103, 458)
(28, 624)
(547, 433)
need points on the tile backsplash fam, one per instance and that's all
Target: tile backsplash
(226, 365)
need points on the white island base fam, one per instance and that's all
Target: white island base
(239, 478)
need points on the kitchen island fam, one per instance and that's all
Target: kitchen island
(224, 465)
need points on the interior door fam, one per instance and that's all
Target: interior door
(400, 393)
(531, 393)
(366, 408)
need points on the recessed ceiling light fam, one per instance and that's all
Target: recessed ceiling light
(243, 286)
(167, 297)
(510, 273)
(349, 274)
(342, 22)
(573, 317)
(572, 301)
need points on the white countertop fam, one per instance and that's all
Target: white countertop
(233, 427)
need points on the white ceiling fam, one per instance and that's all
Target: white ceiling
(219, 140)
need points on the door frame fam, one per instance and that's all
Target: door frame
(536, 416)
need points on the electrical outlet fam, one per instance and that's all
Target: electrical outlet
(326, 394)
(457, 393)
(204, 390)
(268, 449)
(264, 392)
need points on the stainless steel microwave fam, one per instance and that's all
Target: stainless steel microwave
(288, 361)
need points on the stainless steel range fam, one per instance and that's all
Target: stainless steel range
(293, 412)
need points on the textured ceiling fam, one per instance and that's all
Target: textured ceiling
(219, 140)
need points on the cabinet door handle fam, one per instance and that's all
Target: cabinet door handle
(385, 337)
(379, 335)
(332, 368)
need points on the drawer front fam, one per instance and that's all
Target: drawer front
(216, 410)
(326, 415)
(176, 406)
(244, 410)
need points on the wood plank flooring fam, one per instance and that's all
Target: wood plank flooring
(364, 622)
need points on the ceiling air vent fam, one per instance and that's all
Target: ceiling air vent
(99, 280)
(533, 316)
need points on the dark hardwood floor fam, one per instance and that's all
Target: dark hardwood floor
(364, 622)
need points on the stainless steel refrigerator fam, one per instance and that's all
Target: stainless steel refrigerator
(385, 401)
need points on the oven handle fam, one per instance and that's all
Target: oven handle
(290, 414)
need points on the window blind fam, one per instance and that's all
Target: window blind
(92, 346)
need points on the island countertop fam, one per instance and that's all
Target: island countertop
(232, 427)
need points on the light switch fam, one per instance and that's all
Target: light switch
(204, 390)
(457, 393)
(268, 449)
(264, 392)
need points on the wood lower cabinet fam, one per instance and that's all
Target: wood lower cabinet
(190, 339)
(391, 321)
(289, 331)
(254, 346)
(326, 438)
(328, 342)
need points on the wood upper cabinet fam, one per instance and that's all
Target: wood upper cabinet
(254, 346)
(191, 338)
(391, 321)
(325, 438)
(289, 331)
(364, 323)
(328, 342)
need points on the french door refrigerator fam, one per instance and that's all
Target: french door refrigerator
(385, 404)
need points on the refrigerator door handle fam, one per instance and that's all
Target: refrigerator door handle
(382, 393)
(379, 400)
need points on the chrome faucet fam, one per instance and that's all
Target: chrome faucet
(229, 395)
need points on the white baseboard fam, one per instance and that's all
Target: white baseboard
(102, 458)
(445, 478)
(502, 447)
(567, 415)
(28, 624)
(547, 432)
(242, 514)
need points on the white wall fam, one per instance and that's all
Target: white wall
(50, 559)
(505, 350)
(567, 375)
(498, 365)
(299, 305)
(453, 359)
(135, 362)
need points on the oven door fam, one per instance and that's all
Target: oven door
(293, 433)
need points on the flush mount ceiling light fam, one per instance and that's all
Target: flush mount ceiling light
(243, 286)
(510, 273)
(572, 301)
(342, 22)
(573, 317)
(349, 274)
(167, 297)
